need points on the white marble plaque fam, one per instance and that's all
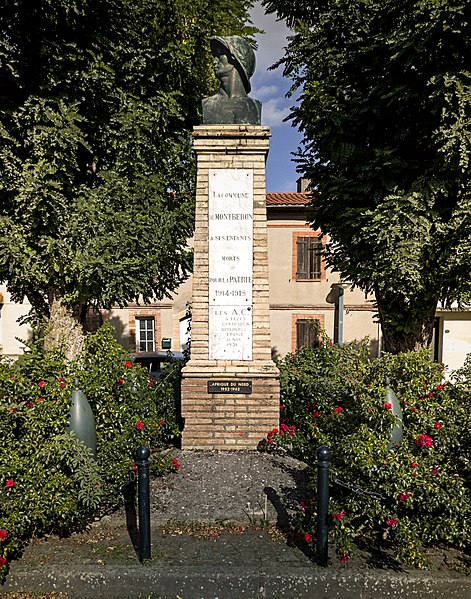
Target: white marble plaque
(230, 239)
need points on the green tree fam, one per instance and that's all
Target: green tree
(385, 109)
(97, 102)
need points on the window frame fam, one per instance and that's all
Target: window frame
(296, 318)
(149, 329)
(313, 241)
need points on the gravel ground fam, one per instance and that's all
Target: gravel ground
(236, 486)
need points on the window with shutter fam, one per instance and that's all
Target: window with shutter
(307, 333)
(309, 257)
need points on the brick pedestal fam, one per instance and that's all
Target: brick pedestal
(230, 420)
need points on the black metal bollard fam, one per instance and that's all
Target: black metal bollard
(323, 463)
(143, 494)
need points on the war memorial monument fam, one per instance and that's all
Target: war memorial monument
(230, 386)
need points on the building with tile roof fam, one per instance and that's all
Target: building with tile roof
(304, 295)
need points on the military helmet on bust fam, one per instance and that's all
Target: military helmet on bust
(241, 52)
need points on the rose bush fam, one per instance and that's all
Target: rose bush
(48, 480)
(336, 397)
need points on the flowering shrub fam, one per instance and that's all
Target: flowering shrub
(48, 480)
(408, 496)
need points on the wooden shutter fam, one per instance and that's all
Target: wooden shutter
(315, 258)
(302, 333)
(309, 257)
(307, 335)
(302, 267)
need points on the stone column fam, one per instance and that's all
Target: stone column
(230, 386)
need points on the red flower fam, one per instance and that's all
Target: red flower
(121, 381)
(338, 410)
(3, 534)
(387, 406)
(413, 464)
(282, 407)
(424, 441)
(430, 394)
(62, 385)
(162, 422)
(338, 516)
(316, 414)
(343, 558)
(391, 521)
(61, 378)
(437, 425)
(403, 496)
(440, 387)
(176, 463)
(10, 483)
(435, 471)
(3, 561)
(42, 384)
(307, 537)
(139, 425)
(128, 364)
(40, 399)
(303, 505)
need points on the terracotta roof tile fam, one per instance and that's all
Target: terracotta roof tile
(288, 199)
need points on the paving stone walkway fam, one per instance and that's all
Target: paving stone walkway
(211, 539)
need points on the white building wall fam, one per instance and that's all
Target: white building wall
(12, 334)
(456, 340)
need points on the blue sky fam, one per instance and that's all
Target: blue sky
(270, 87)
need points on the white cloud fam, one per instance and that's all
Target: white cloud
(273, 112)
(270, 44)
(270, 87)
(264, 91)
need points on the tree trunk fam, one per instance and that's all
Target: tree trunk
(65, 329)
(407, 325)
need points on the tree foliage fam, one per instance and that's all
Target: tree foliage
(385, 109)
(97, 101)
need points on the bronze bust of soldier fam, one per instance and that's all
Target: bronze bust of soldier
(234, 64)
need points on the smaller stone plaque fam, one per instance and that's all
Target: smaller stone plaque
(232, 386)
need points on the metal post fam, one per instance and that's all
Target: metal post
(323, 463)
(340, 317)
(143, 489)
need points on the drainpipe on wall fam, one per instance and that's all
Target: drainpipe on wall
(340, 306)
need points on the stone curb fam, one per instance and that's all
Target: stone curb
(190, 582)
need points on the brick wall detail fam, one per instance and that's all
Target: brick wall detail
(229, 421)
(232, 421)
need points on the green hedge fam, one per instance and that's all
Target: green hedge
(336, 397)
(48, 481)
